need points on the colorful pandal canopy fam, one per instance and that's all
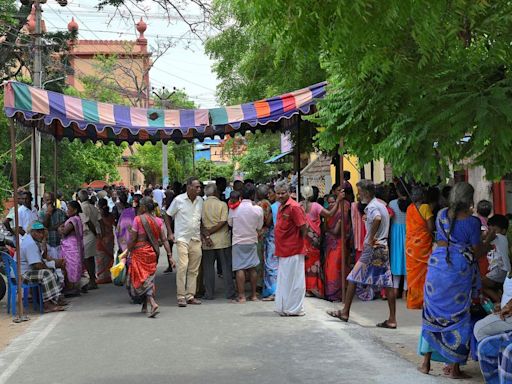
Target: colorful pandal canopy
(66, 116)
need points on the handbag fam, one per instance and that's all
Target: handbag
(120, 279)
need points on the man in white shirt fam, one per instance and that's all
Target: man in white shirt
(26, 215)
(158, 196)
(246, 221)
(186, 211)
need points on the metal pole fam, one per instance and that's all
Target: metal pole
(165, 156)
(55, 168)
(37, 82)
(297, 154)
(20, 315)
(343, 250)
(193, 157)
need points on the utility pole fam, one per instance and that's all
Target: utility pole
(35, 168)
(35, 162)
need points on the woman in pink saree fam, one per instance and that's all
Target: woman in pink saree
(124, 223)
(72, 246)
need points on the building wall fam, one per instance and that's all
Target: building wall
(483, 187)
(130, 72)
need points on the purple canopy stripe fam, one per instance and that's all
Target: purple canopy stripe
(72, 117)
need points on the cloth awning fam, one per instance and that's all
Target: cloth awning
(66, 116)
(277, 157)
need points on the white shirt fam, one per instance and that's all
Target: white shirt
(507, 291)
(30, 253)
(25, 216)
(187, 217)
(373, 210)
(246, 221)
(498, 255)
(158, 195)
(110, 203)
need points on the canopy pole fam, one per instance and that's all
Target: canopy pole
(193, 157)
(34, 167)
(19, 301)
(55, 168)
(297, 159)
(342, 248)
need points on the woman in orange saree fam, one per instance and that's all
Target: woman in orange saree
(333, 261)
(145, 236)
(418, 246)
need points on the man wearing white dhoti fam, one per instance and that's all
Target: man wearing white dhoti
(290, 230)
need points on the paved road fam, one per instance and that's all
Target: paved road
(103, 339)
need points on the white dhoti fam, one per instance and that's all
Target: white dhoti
(291, 286)
(89, 245)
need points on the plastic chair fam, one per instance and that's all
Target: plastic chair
(12, 289)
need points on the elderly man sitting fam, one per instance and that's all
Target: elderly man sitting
(34, 269)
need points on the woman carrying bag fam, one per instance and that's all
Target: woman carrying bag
(145, 236)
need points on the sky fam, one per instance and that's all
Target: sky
(184, 66)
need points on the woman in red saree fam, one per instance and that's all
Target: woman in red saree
(313, 264)
(105, 245)
(332, 264)
(145, 236)
(419, 224)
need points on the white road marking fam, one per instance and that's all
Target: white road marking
(20, 359)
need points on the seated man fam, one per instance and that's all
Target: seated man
(35, 271)
(495, 358)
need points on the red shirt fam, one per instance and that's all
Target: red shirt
(288, 239)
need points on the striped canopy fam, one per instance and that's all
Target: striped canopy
(66, 116)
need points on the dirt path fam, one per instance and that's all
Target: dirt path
(8, 329)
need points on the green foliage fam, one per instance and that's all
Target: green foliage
(253, 166)
(208, 170)
(148, 157)
(249, 63)
(408, 81)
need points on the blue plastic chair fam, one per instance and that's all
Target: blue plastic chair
(12, 289)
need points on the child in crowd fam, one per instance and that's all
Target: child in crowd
(499, 262)
(234, 200)
(483, 211)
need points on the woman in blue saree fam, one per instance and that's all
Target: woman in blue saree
(450, 283)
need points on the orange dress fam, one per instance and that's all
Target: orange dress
(418, 247)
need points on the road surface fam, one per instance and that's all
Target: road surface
(104, 339)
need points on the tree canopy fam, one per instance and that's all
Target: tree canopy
(408, 81)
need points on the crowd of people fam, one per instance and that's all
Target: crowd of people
(425, 245)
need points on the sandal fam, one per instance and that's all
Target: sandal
(182, 303)
(194, 301)
(386, 325)
(337, 314)
(154, 312)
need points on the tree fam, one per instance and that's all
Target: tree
(253, 166)
(247, 61)
(251, 66)
(408, 81)
(148, 157)
(208, 170)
